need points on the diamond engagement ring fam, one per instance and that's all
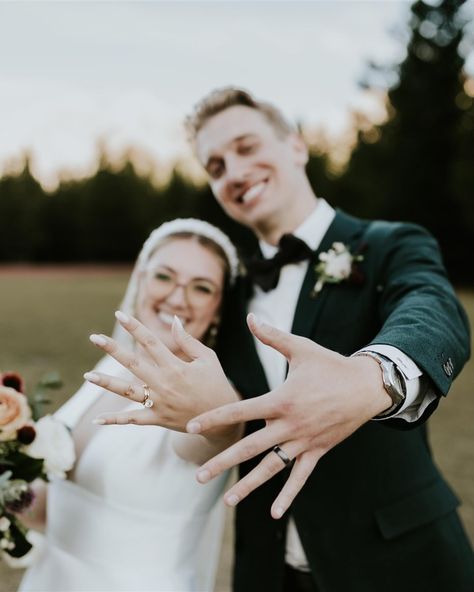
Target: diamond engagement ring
(282, 455)
(147, 402)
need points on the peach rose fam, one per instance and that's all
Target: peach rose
(14, 412)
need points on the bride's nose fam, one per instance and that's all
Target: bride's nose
(177, 297)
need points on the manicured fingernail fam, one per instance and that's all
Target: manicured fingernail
(178, 323)
(98, 421)
(92, 377)
(122, 317)
(278, 513)
(193, 427)
(98, 340)
(255, 320)
(203, 476)
(232, 500)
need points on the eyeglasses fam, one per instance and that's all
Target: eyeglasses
(198, 292)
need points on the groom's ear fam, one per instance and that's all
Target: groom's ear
(300, 149)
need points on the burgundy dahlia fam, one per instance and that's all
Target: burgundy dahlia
(13, 380)
(26, 434)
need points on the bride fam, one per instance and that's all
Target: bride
(131, 517)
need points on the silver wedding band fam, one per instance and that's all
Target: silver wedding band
(147, 402)
(282, 455)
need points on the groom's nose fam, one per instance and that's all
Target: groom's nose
(237, 170)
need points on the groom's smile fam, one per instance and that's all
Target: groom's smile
(254, 172)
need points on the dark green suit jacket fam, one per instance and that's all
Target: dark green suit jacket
(375, 515)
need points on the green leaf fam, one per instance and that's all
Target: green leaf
(51, 380)
(18, 532)
(25, 467)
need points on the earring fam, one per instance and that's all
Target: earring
(212, 335)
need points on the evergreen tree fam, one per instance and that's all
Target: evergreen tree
(411, 166)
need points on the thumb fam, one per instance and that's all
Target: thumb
(284, 342)
(190, 346)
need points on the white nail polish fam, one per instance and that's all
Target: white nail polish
(278, 513)
(178, 323)
(92, 377)
(256, 321)
(122, 317)
(98, 421)
(193, 427)
(203, 476)
(232, 500)
(98, 340)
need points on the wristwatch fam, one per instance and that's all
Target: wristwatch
(393, 381)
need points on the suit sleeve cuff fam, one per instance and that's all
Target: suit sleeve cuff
(418, 395)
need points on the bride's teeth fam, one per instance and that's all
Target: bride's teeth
(166, 318)
(252, 192)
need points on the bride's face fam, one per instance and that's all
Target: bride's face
(182, 278)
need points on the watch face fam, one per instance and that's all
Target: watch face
(397, 381)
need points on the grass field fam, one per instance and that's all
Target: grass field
(46, 317)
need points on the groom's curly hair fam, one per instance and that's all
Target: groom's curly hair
(229, 96)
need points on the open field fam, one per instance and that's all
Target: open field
(46, 316)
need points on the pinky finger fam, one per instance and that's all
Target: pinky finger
(302, 469)
(138, 417)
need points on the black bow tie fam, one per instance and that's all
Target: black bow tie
(266, 272)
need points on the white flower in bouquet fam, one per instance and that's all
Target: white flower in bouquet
(54, 444)
(4, 524)
(14, 412)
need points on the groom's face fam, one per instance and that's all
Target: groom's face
(254, 171)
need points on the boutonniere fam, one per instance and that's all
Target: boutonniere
(337, 265)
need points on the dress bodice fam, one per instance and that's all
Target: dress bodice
(133, 519)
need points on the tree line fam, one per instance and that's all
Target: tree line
(416, 166)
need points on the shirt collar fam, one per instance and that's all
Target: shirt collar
(311, 231)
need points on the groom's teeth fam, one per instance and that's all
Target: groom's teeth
(253, 192)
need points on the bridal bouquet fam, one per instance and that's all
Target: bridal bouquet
(30, 448)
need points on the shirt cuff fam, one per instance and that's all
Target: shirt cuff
(418, 395)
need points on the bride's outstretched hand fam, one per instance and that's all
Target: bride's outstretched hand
(172, 390)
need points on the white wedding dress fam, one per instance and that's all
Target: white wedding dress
(134, 519)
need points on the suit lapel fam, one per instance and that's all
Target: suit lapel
(237, 350)
(345, 229)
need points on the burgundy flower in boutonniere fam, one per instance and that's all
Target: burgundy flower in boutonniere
(338, 265)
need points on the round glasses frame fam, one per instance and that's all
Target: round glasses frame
(197, 292)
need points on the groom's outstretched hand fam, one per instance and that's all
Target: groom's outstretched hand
(324, 399)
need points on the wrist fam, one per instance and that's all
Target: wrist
(393, 382)
(371, 383)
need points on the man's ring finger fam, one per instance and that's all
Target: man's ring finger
(282, 455)
(147, 402)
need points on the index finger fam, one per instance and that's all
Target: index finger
(262, 407)
(150, 342)
(137, 364)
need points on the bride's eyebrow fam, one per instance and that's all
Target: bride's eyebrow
(193, 279)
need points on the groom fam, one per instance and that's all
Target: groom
(377, 336)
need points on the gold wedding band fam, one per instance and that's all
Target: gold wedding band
(147, 402)
(282, 455)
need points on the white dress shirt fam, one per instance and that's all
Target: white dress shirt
(277, 308)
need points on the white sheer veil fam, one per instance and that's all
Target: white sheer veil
(77, 405)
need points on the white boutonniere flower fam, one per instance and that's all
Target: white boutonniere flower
(337, 265)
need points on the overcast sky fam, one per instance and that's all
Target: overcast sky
(127, 72)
